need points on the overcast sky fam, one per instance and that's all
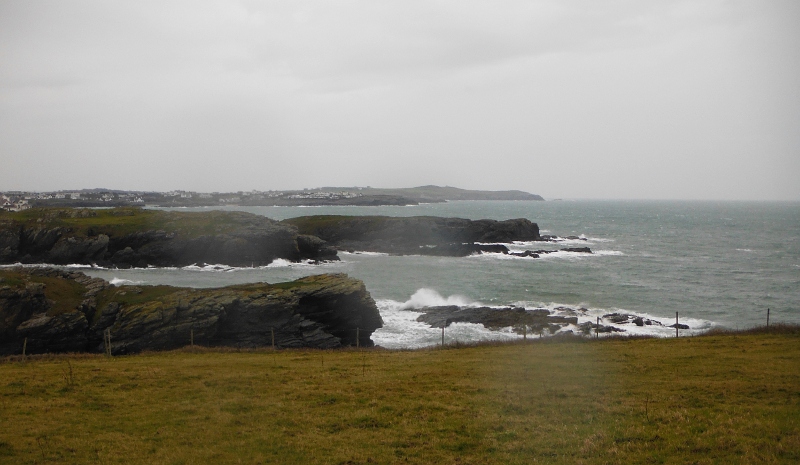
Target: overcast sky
(695, 99)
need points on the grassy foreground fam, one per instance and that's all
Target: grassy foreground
(712, 399)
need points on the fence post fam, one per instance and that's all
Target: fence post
(442, 336)
(24, 347)
(524, 332)
(676, 324)
(358, 342)
(767, 317)
(597, 328)
(107, 340)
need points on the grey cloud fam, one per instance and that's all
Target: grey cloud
(680, 99)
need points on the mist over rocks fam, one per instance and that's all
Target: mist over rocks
(61, 311)
(133, 237)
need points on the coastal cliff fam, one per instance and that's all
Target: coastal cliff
(426, 235)
(133, 237)
(51, 310)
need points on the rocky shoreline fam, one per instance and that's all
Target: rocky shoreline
(531, 321)
(50, 310)
(134, 237)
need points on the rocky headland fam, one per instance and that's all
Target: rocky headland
(134, 237)
(51, 310)
(423, 235)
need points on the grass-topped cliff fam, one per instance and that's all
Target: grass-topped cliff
(48, 310)
(121, 221)
(129, 236)
(721, 398)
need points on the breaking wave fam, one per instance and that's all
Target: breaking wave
(430, 298)
(401, 330)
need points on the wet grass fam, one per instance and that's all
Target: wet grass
(713, 399)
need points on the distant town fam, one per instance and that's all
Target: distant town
(96, 198)
(20, 200)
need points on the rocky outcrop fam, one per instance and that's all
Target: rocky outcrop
(533, 321)
(419, 235)
(537, 253)
(323, 311)
(131, 237)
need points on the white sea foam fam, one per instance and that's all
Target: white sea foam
(124, 282)
(556, 254)
(401, 329)
(430, 298)
(207, 267)
(217, 268)
(373, 254)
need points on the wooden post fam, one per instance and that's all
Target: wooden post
(524, 332)
(108, 342)
(442, 336)
(24, 347)
(676, 324)
(191, 337)
(768, 318)
(597, 328)
(358, 343)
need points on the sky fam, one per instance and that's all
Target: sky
(695, 99)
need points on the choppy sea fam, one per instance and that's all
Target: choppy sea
(715, 263)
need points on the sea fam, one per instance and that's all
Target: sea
(713, 264)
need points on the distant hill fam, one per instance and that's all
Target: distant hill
(438, 193)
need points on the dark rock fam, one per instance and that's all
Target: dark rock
(324, 311)
(527, 253)
(624, 318)
(18, 304)
(232, 238)
(617, 318)
(679, 326)
(314, 248)
(589, 328)
(65, 332)
(577, 249)
(494, 318)
(408, 235)
(460, 250)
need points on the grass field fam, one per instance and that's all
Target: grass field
(118, 222)
(724, 398)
